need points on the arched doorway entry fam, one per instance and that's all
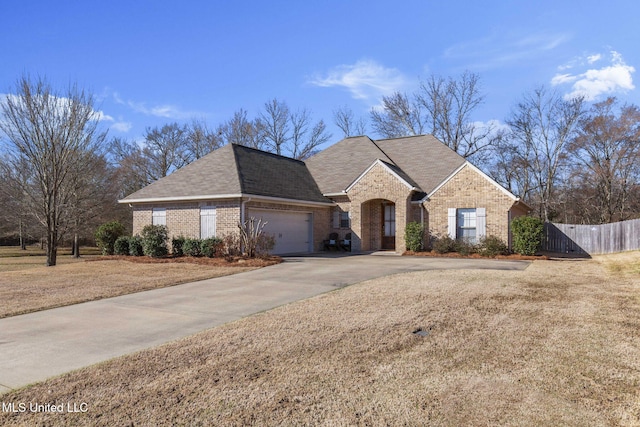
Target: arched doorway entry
(378, 225)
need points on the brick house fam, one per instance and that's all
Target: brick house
(370, 189)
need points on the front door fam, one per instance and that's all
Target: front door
(388, 226)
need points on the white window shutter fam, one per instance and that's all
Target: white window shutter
(452, 223)
(481, 222)
(336, 218)
(207, 222)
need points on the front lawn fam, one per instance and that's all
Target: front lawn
(26, 285)
(556, 344)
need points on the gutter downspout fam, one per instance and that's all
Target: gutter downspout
(242, 209)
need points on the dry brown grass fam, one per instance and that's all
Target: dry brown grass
(26, 285)
(556, 344)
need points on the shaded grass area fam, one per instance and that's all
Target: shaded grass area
(15, 251)
(556, 344)
(27, 287)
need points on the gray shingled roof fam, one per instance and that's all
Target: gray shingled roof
(213, 174)
(336, 167)
(421, 160)
(266, 174)
(235, 170)
(424, 158)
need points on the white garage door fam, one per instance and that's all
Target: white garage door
(292, 230)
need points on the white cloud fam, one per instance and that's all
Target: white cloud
(122, 126)
(594, 58)
(613, 78)
(366, 79)
(503, 48)
(559, 79)
(165, 111)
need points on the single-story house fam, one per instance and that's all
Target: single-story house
(368, 188)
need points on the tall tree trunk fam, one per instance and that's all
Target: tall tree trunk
(76, 246)
(52, 248)
(23, 245)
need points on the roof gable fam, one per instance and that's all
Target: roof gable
(336, 167)
(478, 171)
(394, 171)
(421, 160)
(424, 158)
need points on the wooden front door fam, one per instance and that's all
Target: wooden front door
(388, 226)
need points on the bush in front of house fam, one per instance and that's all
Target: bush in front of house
(121, 246)
(135, 246)
(414, 235)
(492, 246)
(177, 244)
(211, 247)
(154, 240)
(107, 234)
(192, 247)
(527, 232)
(265, 244)
(444, 245)
(232, 244)
(464, 247)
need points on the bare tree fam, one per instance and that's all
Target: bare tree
(305, 136)
(200, 140)
(450, 104)
(607, 149)
(51, 132)
(242, 131)
(401, 115)
(442, 107)
(129, 164)
(275, 122)
(165, 150)
(542, 124)
(344, 118)
(289, 133)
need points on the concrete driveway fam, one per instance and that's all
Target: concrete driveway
(40, 345)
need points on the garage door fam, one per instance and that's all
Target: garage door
(292, 230)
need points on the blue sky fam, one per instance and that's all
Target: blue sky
(156, 62)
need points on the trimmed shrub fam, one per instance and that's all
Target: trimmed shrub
(121, 247)
(211, 247)
(192, 247)
(135, 246)
(154, 240)
(107, 234)
(491, 246)
(176, 245)
(443, 245)
(414, 235)
(527, 234)
(464, 247)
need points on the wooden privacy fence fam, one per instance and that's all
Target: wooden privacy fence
(592, 239)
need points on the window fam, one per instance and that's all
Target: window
(207, 222)
(466, 225)
(159, 216)
(344, 220)
(341, 219)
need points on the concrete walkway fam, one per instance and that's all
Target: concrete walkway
(40, 345)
